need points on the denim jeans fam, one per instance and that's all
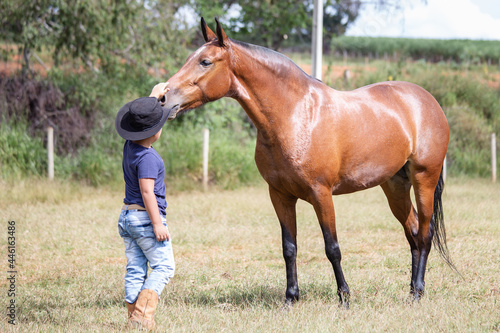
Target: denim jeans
(141, 248)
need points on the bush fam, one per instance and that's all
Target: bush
(20, 154)
(434, 50)
(469, 147)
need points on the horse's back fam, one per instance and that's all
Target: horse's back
(406, 105)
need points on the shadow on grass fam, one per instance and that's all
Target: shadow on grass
(49, 309)
(232, 296)
(261, 295)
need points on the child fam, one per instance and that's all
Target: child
(142, 222)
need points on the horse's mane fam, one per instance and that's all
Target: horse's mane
(278, 61)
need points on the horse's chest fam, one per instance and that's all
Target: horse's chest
(283, 168)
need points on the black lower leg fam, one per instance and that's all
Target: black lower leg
(425, 247)
(334, 255)
(419, 284)
(290, 256)
(414, 269)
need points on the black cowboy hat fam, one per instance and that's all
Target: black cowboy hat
(140, 119)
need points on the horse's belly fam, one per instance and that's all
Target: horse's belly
(301, 182)
(369, 173)
(364, 178)
(360, 165)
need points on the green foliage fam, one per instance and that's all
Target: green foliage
(24, 156)
(20, 154)
(469, 148)
(262, 22)
(271, 22)
(100, 162)
(266, 22)
(100, 34)
(430, 49)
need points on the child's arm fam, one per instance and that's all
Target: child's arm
(159, 91)
(148, 196)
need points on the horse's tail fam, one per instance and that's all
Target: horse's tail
(437, 223)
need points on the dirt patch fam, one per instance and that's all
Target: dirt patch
(494, 82)
(333, 73)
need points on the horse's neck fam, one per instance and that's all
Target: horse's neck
(267, 85)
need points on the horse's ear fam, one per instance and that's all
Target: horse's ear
(208, 34)
(221, 35)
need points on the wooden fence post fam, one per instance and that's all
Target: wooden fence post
(206, 134)
(50, 152)
(493, 158)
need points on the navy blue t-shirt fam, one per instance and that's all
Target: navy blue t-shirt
(141, 162)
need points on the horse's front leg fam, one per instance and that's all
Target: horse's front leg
(323, 206)
(285, 209)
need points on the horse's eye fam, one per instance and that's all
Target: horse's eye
(205, 63)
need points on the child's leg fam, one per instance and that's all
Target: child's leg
(161, 261)
(137, 266)
(137, 269)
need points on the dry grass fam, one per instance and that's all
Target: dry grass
(230, 273)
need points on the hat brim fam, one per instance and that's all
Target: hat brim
(140, 135)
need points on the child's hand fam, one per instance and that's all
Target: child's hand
(161, 233)
(159, 90)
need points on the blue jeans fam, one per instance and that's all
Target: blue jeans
(141, 248)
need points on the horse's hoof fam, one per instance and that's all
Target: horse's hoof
(288, 305)
(415, 296)
(344, 300)
(344, 305)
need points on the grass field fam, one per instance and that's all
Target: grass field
(230, 273)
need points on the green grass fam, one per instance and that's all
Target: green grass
(230, 273)
(430, 49)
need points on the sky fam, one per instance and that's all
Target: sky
(441, 19)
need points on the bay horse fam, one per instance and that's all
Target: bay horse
(314, 142)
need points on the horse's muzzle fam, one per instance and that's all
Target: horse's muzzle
(172, 111)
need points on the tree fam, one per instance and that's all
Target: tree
(99, 33)
(271, 22)
(263, 22)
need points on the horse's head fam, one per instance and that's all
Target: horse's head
(206, 75)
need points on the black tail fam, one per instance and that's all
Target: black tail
(437, 222)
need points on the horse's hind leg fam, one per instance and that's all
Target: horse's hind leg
(424, 181)
(397, 191)
(285, 209)
(323, 206)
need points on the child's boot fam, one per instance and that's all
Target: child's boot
(130, 308)
(145, 307)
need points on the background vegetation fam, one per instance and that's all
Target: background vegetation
(434, 50)
(72, 65)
